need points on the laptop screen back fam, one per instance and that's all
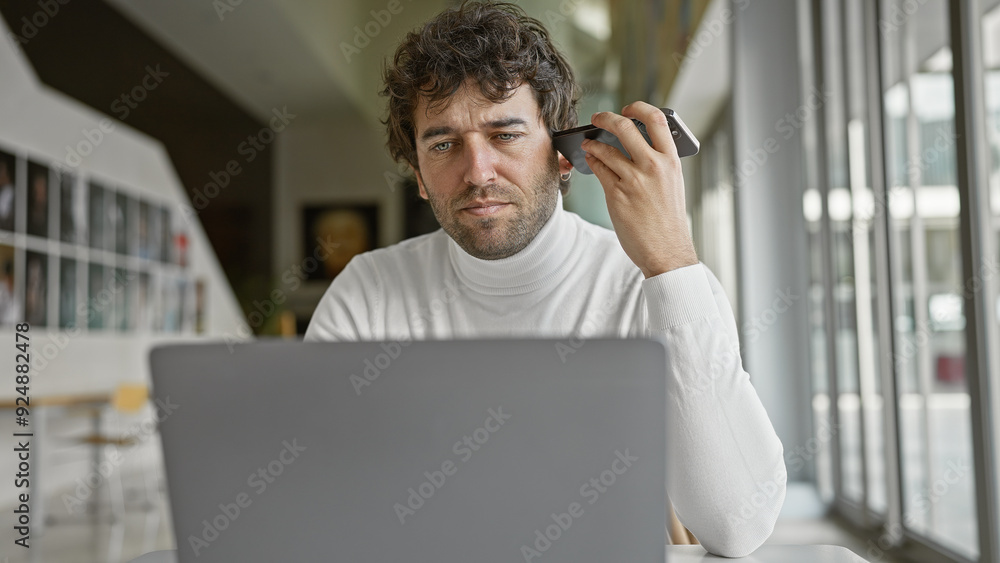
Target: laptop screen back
(442, 451)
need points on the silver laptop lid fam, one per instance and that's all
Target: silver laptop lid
(440, 451)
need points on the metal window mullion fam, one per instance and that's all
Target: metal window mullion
(862, 283)
(882, 229)
(826, 242)
(918, 258)
(976, 240)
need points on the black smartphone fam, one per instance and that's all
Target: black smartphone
(568, 142)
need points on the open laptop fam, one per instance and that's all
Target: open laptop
(437, 451)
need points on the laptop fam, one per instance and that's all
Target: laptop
(543, 451)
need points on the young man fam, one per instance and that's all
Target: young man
(473, 99)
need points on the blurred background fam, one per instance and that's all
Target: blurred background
(175, 171)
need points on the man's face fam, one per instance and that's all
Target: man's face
(488, 170)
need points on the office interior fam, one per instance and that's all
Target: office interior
(169, 170)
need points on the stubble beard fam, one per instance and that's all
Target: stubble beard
(493, 238)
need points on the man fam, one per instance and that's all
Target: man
(473, 99)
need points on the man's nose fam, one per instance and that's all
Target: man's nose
(480, 163)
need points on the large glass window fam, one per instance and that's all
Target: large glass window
(938, 500)
(851, 209)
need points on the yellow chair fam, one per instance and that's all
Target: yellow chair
(128, 398)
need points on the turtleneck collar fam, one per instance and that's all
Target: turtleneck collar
(531, 268)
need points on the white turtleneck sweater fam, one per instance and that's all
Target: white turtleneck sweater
(725, 466)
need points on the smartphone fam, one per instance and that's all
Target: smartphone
(568, 142)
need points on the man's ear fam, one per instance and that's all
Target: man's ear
(420, 182)
(565, 165)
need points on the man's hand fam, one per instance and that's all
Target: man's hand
(645, 195)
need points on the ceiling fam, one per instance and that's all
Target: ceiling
(316, 57)
(321, 58)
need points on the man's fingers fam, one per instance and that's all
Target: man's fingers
(605, 175)
(606, 154)
(656, 125)
(623, 128)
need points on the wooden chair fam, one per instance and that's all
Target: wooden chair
(128, 399)
(677, 534)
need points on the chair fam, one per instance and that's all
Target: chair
(677, 534)
(127, 399)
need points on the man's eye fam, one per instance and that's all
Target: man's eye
(441, 147)
(507, 136)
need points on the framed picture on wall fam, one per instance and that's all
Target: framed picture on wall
(67, 292)
(78, 252)
(144, 303)
(36, 288)
(8, 177)
(97, 217)
(72, 210)
(38, 200)
(10, 308)
(199, 306)
(333, 234)
(166, 234)
(113, 219)
(98, 306)
(120, 207)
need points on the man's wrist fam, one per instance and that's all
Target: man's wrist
(671, 263)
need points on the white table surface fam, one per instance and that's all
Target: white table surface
(683, 554)
(769, 554)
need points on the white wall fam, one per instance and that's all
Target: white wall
(328, 161)
(39, 123)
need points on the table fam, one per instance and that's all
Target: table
(38, 409)
(769, 554)
(682, 554)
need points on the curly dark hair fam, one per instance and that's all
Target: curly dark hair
(494, 43)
